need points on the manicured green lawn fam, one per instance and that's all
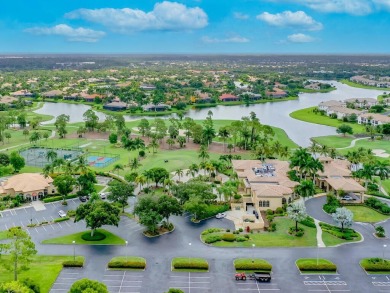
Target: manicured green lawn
(189, 264)
(251, 265)
(331, 240)
(334, 141)
(111, 239)
(365, 214)
(98, 188)
(279, 238)
(361, 86)
(3, 235)
(308, 115)
(386, 185)
(44, 270)
(316, 266)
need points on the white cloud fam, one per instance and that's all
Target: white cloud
(354, 7)
(239, 15)
(167, 15)
(72, 34)
(236, 39)
(290, 19)
(300, 38)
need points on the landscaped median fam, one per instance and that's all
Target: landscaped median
(127, 262)
(250, 265)
(101, 237)
(190, 264)
(316, 266)
(375, 265)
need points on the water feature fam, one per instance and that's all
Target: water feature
(274, 114)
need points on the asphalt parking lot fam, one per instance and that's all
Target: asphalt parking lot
(191, 282)
(123, 281)
(325, 283)
(255, 286)
(65, 279)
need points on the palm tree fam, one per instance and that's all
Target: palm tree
(117, 168)
(324, 150)
(35, 136)
(141, 180)
(7, 135)
(179, 173)
(134, 164)
(47, 170)
(314, 147)
(51, 155)
(168, 183)
(382, 170)
(170, 142)
(68, 168)
(154, 144)
(193, 169)
(366, 173)
(224, 134)
(203, 153)
(305, 189)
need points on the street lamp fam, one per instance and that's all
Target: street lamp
(383, 255)
(189, 256)
(126, 249)
(74, 250)
(253, 254)
(31, 214)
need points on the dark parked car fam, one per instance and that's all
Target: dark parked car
(83, 198)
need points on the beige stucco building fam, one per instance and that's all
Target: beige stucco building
(32, 186)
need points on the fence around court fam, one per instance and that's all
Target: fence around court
(101, 160)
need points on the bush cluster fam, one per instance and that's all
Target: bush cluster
(348, 234)
(73, 264)
(293, 231)
(213, 209)
(308, 222)
(248, 265)
(332, 203)
(212, 230)
(212, 238)
(229, 237)
(377, 205)
(185, 264)
(375, 265)
(60, 219)
(71, 213)
(129, 264)
(58, 198)
(320, 267)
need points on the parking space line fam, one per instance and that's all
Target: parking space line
(36, 230)
(6, 228)
(25, 210)
(66, 223)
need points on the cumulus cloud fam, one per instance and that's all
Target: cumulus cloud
(236, 39)
(79, 34)
(297, 19)
(171, 16)
(300, 38)
(354, 7)
(239, 15)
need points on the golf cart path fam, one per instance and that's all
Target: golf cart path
(352, 143)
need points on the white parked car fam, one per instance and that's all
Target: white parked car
(220, 215)
(62, 214)
(347, 197)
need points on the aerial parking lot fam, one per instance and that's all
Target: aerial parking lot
(123, 281)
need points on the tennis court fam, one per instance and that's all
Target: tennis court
(37, 156)
(101, 161)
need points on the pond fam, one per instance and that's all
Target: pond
(274, 114)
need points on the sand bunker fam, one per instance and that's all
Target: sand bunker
(381, 153)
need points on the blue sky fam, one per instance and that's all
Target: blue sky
(195, 26)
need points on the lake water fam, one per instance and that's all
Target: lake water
(274, 114)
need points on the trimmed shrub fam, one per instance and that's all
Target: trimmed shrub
(196, 264)
(129, 264)
(212, 230)
(377, 205)
(240, 230)
(71, 213)
(320, 267)
(252, 265)
(60, 219)
(73, 264)
(332, 203)
(229, 237)
(58, 198)
(375, 264)
(212, 238)
(279, 211)
(308, 222)
(241, 239)
(348, 234)
(97, 236)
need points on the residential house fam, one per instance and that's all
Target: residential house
(156, 108)
(73, 97)
(8, 100)
(52, 94)
(252, 96)
(31, 186)
(313, 86)
(342, 112)
(202, 98)
(324, 106)
(91, 98)
(115, 106)
(365, 103)
(22, 94)
(228, 98)
(147, 87)
(373, 119)
(264, 185)
(337, 176)
(276, 93)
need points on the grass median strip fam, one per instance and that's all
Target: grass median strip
(251, 265)
(127, 262)
(375, 265)
(109, 239)
(189, 264)
(43, 269)
(365, 214)
(316, 266)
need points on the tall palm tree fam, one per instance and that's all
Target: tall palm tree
(117, 168)
(305, 189)
(179, 173)
(134, 164)
(382, 170)
(154, 145)
(51, 155)
(366, 173)
(141, 180)
(82, 165)
(193, 168)
(203, 153)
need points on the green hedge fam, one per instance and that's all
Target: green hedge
(320, 267)
(58, 198)
(212, 238)
(375, 264)
(212, 230)
(73, 264)
(127, 263)
(308, 222)
(348, 234)
(377, 205)
(248, 264)
(229, 237)
(61, 219)
(214, 209)
(190, 263)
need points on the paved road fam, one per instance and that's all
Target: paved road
(158, 278)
